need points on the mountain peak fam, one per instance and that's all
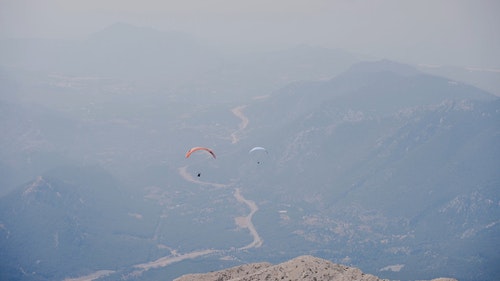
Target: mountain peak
(384, 66)
(303, 268)
(37, 186)
(300, 268)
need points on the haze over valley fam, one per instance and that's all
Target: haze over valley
(386, 164)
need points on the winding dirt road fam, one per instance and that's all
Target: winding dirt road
(243, 222)
(188, 177)
(164, 261)
(246, 222)
(91, 277)
(238, 112)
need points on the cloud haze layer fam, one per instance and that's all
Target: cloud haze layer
(462, 32)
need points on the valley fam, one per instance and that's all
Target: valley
(370, 163)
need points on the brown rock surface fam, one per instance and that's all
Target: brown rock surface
(301, 268)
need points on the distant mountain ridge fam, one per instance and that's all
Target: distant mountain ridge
(173, 60)
(381, 151)
(384, 65)
(376, 88)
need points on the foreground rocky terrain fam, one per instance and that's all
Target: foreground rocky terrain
(300, 268)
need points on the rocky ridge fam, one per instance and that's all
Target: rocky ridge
(301, 268)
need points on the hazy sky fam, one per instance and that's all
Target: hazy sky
(461, 32)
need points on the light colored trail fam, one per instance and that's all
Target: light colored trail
(164, 261)
(246, 222)
(243, 222)
(188, 177)
(238, 111)
(91, 277)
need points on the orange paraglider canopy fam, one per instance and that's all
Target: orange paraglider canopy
(199, 148)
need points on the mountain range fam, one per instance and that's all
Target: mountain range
(370, 164)
(400, 160)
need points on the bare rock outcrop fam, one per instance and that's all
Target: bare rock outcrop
(233, 273)
(306, 268)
